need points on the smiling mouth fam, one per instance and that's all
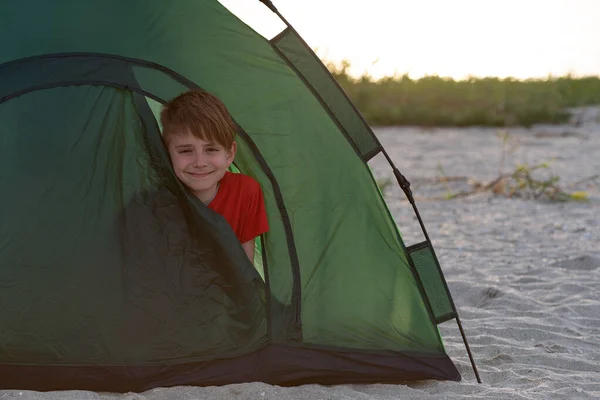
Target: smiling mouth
(198, 175)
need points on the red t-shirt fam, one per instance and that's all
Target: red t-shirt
(240, 200)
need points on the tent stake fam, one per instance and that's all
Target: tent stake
(464, 337)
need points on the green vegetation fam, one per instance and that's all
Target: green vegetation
(525, 181)
(437, 101)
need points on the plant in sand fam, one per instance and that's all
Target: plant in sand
(525, 181)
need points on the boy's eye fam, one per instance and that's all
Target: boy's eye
(212, 149)
(183, 151)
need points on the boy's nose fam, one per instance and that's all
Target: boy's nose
(200, 160)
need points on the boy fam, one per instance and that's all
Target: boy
(199, 134)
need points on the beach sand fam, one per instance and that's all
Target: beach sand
(524, 274)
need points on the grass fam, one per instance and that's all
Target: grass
(438, 101)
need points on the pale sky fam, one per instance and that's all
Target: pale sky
(456, 38)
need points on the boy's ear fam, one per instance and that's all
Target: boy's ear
(232, 152)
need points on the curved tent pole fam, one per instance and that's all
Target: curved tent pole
(272, 7)
(402, 181)
(405, 185)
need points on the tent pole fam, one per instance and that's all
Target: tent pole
(464, 337)
(272, 7)
(402, 181)
(405, 185)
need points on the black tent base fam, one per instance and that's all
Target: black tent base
(274, 364)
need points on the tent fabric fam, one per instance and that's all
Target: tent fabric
(53, 70)
(114, 277)
(295, 51)
(436, 289)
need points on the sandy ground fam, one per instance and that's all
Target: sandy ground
(525, 274)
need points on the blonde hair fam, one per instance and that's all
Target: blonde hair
(200, 113)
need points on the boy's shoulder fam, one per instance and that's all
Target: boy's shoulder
(240, 180)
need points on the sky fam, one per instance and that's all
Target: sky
(453, 38)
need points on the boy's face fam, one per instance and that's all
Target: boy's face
(200, 165)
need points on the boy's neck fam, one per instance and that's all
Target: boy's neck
(207, 197)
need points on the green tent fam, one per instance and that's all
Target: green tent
(113, 277)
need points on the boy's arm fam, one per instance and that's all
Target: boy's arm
(256, 217)
(249, 249)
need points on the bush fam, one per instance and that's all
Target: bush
(437, 101)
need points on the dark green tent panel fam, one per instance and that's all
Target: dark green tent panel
(310, 68)
(114, 277)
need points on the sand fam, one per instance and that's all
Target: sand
(524, 274)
